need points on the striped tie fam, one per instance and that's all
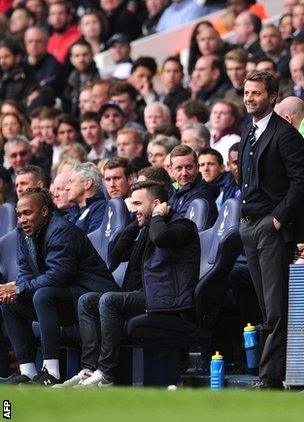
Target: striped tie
(251, 136)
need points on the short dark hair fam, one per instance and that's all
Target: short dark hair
(214, 152)
(267, 59)
(35, 171)
(157, 174)
(69, 120)
(255, 22)
(44, 196)
(195, 108)
(90, 116)
(270, 82)
(181, 151)
(154, 189)
(123, 88)
(234, 148)
(82, 43)
(175, 60)
(11, 45)
(145, 61)
(116, 162)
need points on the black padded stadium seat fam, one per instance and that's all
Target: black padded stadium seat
(197, 212)
(159, 337)
(8, 220)
(116, 218)
(8, 256)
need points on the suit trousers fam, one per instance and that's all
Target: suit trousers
(268, 255)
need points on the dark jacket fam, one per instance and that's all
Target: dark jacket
(181, 198)
(47, 71)
(65, 257)
(167, 254)
(121, 20)
(89, 218)
(279, 168)
(216, 93)
(174, 98)
(17, 84)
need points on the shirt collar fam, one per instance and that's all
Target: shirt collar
(261, 124)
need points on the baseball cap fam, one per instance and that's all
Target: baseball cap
(110, 104)
(118, 37)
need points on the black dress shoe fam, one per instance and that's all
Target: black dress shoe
(267, 384)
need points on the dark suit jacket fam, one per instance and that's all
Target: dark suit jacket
(280, 169)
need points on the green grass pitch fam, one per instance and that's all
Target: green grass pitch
(31, 404)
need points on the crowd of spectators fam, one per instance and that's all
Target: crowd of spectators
(88, 131)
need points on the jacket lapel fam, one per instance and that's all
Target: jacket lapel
(244, 137)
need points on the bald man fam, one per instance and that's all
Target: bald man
(60, 194)
(292, 110)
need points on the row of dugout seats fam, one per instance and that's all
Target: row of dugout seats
(154, 341)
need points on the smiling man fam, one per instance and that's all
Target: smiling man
(163, 254)
(271, 178)
(185, 171)
(57, 265)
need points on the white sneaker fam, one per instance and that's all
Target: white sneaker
(96, 379)
(76, 379)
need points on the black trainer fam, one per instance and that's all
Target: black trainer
(44, 378)
(19, 379)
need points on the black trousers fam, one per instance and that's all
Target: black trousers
(51, 307)
(269, 253)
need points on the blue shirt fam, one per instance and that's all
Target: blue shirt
(178, 14)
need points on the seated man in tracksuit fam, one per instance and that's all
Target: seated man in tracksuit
(163, 253)
(57, 264)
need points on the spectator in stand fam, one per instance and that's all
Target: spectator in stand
(156, 114)
(250, 65)
(124, 94)
(11, 106)
(64, 32)
(235, 62)
(185, 171)
(112, 119)
(85, 104)
(45, 67)
(100, 94)
(272, 45)
(155, 9)
(93, 26)
(39, 10)
(191, 111)
(172, 79)
(17, 154)
(297, 44)
(130, 144)
(20, 19)
(59, 192)
(157, 174)
(285, 27)
(288, 5)
(195, 135)
(118, 177)
(292, 110)
(208, 80)
(85, 194)
(298, 18)
(224, 127)
(247, 28)
(16, 80)
(29, 177)
(205, 40)
(120, 19)
(158, 150)
(180, 12)
(119, 50)
(92, 135)
(13, 124)
(142, 74)
(67, 129)
(212, 168)
(84, 73)
(7, 194)
(296, 87)
(146, 243)
(166, 130)
(57, 265)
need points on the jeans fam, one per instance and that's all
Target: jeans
(101, 320)
(51, 307)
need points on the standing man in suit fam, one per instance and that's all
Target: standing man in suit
(271, 177)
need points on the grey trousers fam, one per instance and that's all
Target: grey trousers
(269, 253)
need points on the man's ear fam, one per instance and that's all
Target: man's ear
(40, 184)
(155, 202)
(44, 211)
(88, 184)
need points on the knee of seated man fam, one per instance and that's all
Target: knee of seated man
(107, 300)
(88, 300)
(42, 295)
